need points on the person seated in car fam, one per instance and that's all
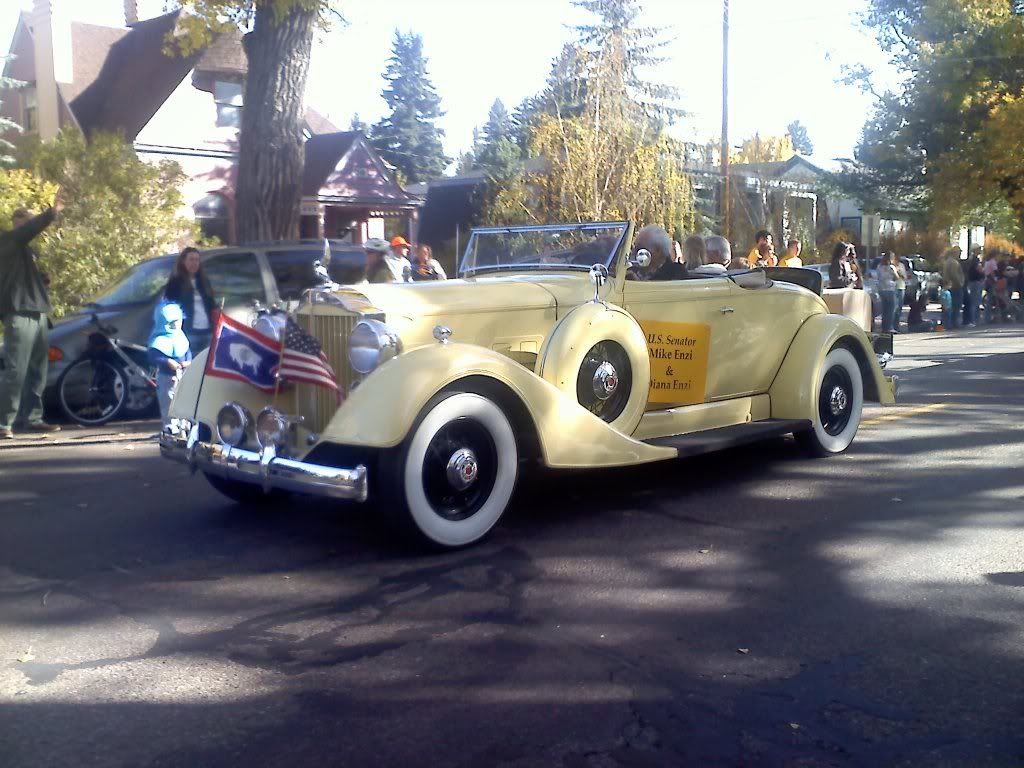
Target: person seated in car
(663, 266)
(694, 253)
(718, 257)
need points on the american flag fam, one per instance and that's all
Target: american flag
(303, 359)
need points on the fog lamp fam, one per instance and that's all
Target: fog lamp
(271, 429)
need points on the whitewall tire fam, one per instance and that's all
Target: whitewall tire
(451, 480)
(839, 403)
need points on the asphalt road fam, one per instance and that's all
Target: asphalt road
(751, 608)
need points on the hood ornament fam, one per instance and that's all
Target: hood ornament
(320, 270)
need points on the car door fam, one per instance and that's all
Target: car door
(766, 319)
(237, 280)
(692, 336)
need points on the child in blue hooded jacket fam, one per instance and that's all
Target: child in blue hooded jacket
(168, 351)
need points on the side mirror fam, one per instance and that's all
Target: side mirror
(642, 259)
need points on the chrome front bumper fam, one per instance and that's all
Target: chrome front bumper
(180, 442)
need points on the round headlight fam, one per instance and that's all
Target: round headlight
(271, 429)
(370, 345)
(232, 422)
(271, 325)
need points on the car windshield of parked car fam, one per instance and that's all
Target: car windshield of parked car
(139, 284)
(568, 246)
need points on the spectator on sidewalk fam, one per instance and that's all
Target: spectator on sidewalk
(887, 291)
(953, 279)
(791, 258)
(763, 252)
(190, 290)
(169, 352)
(975, 286)
(24, 311)
(382, 265)
(901, 290)
(398, 259)
(946, 302)
(425, 266)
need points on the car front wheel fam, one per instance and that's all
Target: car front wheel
(840, 401)
(449, 483)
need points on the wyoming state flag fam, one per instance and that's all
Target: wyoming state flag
(241, 353)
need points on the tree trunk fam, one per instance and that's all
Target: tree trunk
(270, 151)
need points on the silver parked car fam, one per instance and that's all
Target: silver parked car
(240, 275)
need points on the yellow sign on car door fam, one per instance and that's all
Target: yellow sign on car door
(679, 355)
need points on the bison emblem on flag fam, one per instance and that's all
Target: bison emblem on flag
(242, 353)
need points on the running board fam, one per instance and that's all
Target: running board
(710, 440)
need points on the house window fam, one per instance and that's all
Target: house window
(228, 97)
(214, 217)
(30, 110)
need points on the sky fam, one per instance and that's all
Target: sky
(785, 60)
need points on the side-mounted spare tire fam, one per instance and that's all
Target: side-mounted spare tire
(597, 355)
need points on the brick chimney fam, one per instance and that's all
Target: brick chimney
(131, 12)
(51, 33)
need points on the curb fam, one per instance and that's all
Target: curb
(65, 440)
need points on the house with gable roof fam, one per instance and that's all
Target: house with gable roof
(188, 109)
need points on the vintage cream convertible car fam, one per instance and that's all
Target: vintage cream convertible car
(543, 351)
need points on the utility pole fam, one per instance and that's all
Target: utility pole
(726, 197)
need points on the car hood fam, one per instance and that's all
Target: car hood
(442, 298)
(514, 312)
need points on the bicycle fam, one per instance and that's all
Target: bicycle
(111, 379)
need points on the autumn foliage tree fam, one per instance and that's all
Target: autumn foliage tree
(278, 42)
(950, 136)
(120, 210)
(600, 133)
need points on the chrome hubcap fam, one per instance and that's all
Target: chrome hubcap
(606, 381)
(462, 469)
(838, 401)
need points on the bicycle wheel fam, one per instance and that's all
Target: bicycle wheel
(140, 400)
(92, 392)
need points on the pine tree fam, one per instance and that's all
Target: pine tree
(357, 124)
(802, 143)
(8, 126)
(408, 137)
(564, 95)
(498, 155)
(616, 50)
(499, 123)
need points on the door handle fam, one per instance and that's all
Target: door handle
(727, 310)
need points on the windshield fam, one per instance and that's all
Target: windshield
(560, 246)
(139, 284)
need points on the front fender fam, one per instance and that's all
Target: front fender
(383, 409)
(793, 392)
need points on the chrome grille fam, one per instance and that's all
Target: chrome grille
(318, 404)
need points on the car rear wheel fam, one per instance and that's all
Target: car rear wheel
(451, 480)
(840, 402)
